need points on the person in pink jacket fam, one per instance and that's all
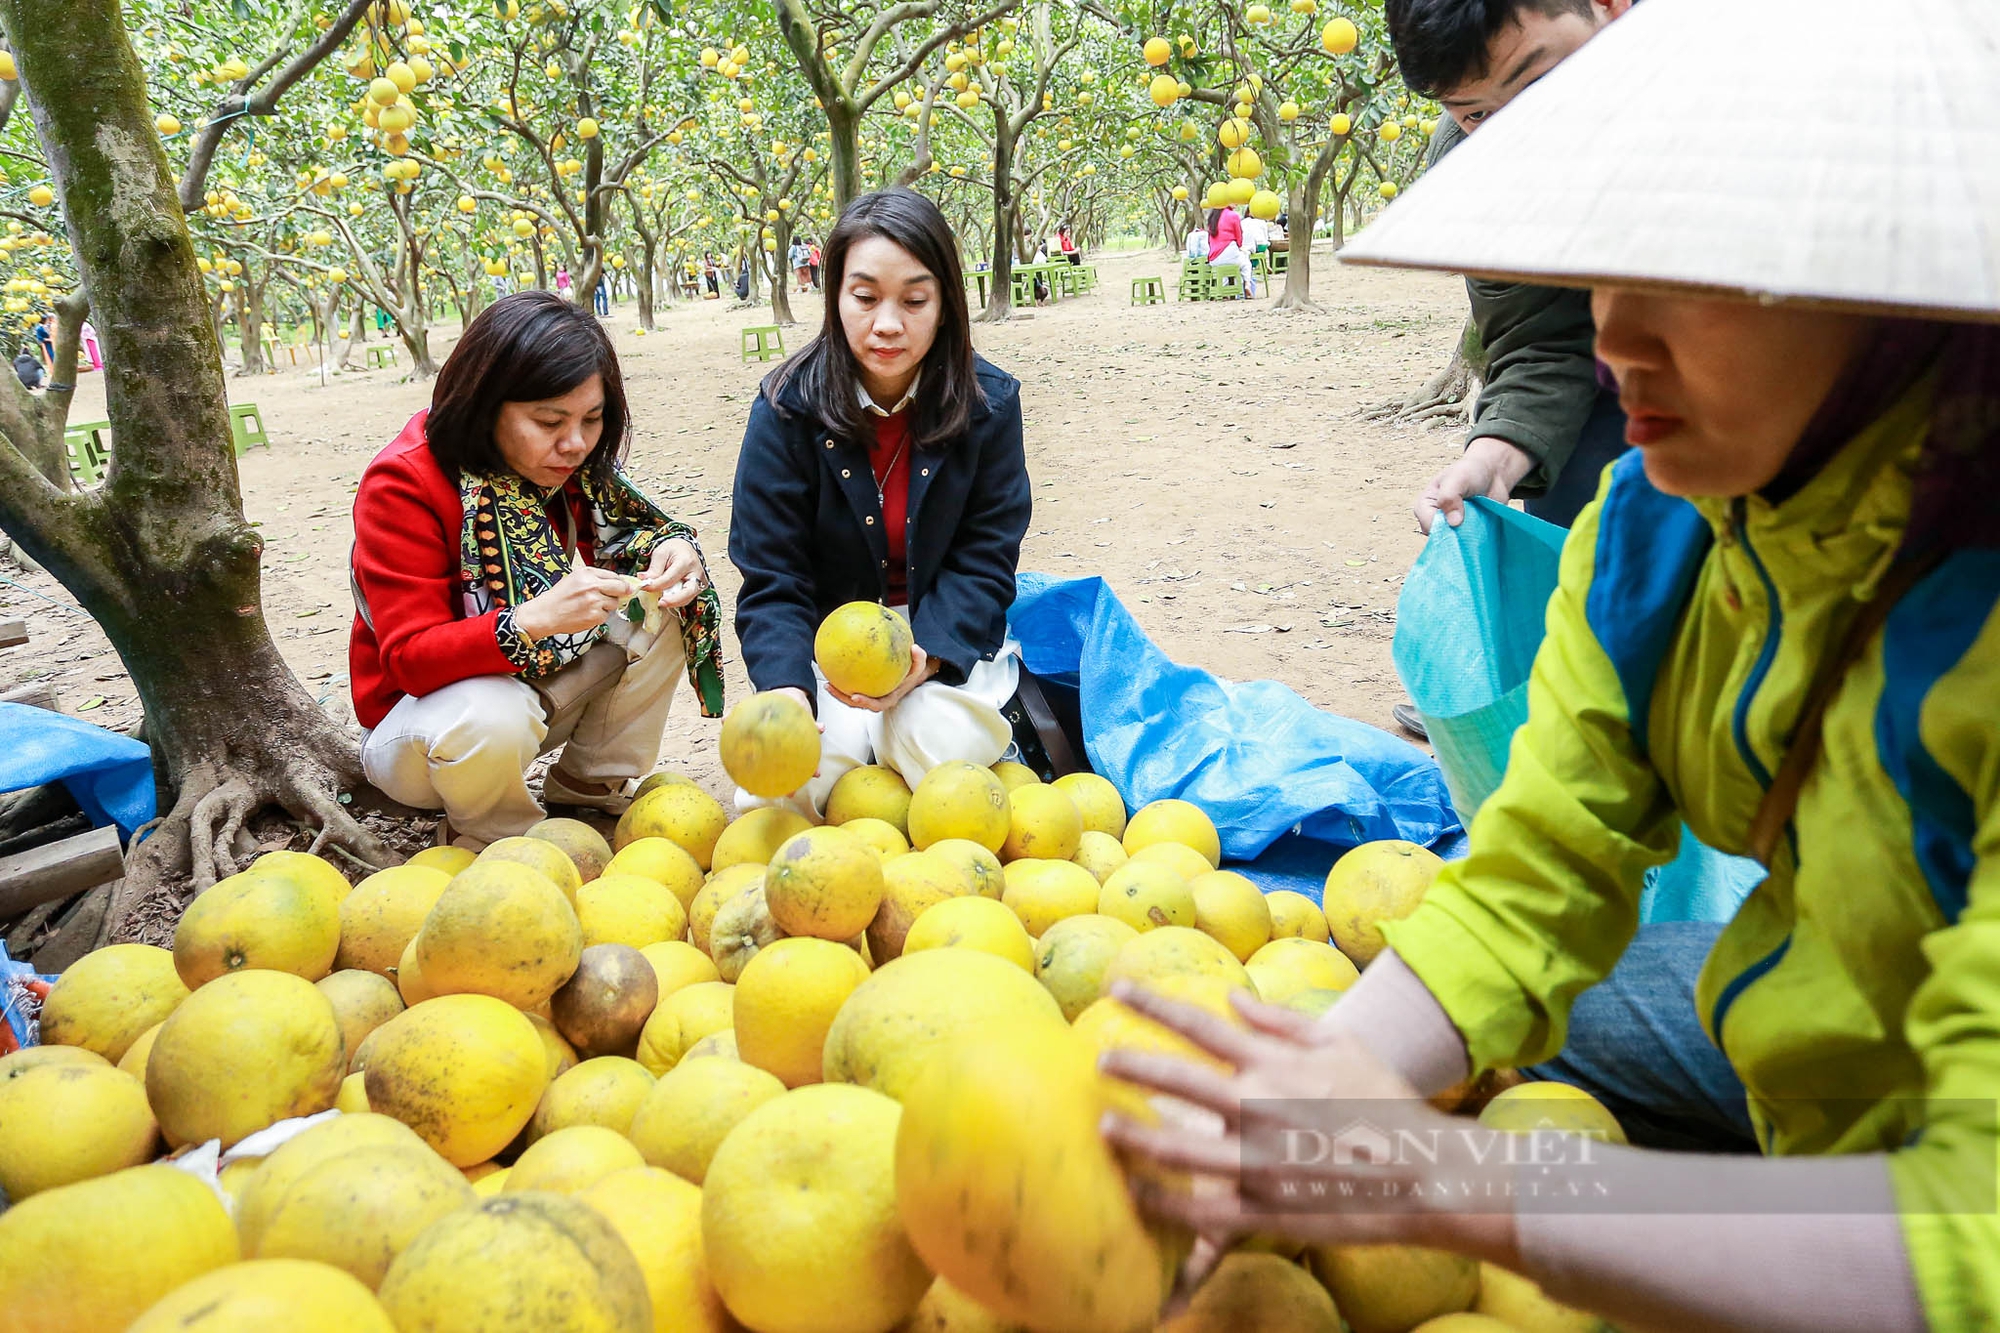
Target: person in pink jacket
(1225, 245)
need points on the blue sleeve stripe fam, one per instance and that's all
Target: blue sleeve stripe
(1650, 547)
(1929, 633)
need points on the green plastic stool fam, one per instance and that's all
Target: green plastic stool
(1225, 283)
(1148, 291)
(246, 428)
(1195, 280)
(763, 342)
(89, 450)
(382, 354)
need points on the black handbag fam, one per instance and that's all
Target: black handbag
(1047, 719)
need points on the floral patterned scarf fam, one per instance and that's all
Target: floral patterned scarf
(510, 551)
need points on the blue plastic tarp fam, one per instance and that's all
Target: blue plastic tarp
(1288, 786)
(110, 775)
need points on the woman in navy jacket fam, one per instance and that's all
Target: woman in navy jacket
(883, 463)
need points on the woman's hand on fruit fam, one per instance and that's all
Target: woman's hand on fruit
(583, 600)
(675, 572)
(1261, 1159)
(922, 668)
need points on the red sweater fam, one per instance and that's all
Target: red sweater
(889, 456)
(407, 522)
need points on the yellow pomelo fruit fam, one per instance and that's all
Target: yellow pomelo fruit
(720, 1044)
(959, 800)
(692, 1109)
(409, 976)
(359, 1210)
(663, 778)
(910, 884)
(770, 744)
(303, 867)
(1285, 967)
(870, 792)
(1042, 893)
(492, 1184)
(1546, 1105)
(602, 1007)
(720, 888)
(1043, 824)
(1520, 1304)
(535, 854)
(684, 1018)
(677, 963)
(500, 929)
(247, 1050)
(1010, 1193)
(1108, 1025)
(353, 1096)
(362, 1002)
(756, 837)
(824, 882)
(1174, 821)
(1100, 854)
(34, 1057)
(946, 1309)
(1230, 908)
(662, 861)
(742, 926)
(561, 1055)
(284, 923)
(1295, 916)
(105, 999)
(1376, 882)
(1393, 1288)
(1314, 1002)
(293, 1294)
(798, 1216)
(65, 1121)
(680, 812)
(585, 847)
(1072, 955)
(658, 1216)
(234, 1177)
(978, 863)
(450, 860)
(464, 1071)
(973, 923)
(1174, 951)
(1098, 803)
(863, 648)
(94, 1256)
(604, 1092)
(383, 913)
(1146, 896)
(571, 1160)
(786, 1000)
(878, 836)
(133, 1062)
(1260, 1291)
(629, 909)
(1184, 861)
(1464, 1323)
(518, 1263)
(1014, 775)
(329, 1141)
(898, 1020)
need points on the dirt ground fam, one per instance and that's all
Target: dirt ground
(1207, 460)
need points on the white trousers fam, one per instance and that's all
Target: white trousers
(933, 724)
(466, 748)
(1232, 254)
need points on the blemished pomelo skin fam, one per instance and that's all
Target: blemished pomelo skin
(770, 744)
(863, 648)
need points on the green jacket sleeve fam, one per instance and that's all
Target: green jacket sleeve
(1549, 896)
(1540, 380)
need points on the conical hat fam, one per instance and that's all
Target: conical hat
(1826, 151)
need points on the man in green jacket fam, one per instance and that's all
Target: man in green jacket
(1546, 423)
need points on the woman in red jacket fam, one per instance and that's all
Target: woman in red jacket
(515, 592)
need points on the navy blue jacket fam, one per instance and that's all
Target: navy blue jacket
(806, 534)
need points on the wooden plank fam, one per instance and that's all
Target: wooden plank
(59, 869)
(13, 632)
(38, 694)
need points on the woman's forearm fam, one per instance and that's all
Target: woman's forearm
(1393, 1013)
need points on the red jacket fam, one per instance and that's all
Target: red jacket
(407, 520)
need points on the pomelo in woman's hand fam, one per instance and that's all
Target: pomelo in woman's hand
(770, 744)
(863, 649)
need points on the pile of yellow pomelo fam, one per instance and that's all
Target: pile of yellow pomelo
(704, 1075)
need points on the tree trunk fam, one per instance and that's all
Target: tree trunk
(249, 326)
(645, 288)
(349, 355)
(781, 285)
(160, 555)
(844, 158)
(1000, 297)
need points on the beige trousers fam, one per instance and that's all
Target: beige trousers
(934, 723)
(466, 748)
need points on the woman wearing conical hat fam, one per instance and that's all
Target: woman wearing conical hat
(1779, 622)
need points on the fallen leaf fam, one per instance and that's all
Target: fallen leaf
(89, 704)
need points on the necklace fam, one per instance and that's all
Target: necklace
(882, 479)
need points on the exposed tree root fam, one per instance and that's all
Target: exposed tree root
(1445, 396)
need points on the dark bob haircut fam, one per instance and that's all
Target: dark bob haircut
(1441, 44)
(825, 369)
(524, 348)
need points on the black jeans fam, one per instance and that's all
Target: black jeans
(1600, 443)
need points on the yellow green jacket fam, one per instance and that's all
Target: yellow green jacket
(1862, 977)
